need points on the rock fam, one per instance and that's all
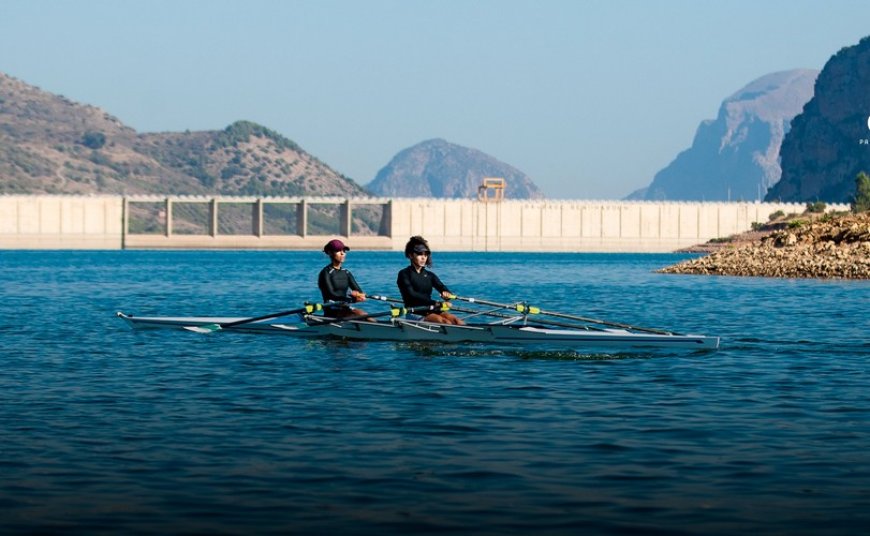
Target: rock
(832, 247)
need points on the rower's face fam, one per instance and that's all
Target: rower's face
(338, 256)
(419, 259)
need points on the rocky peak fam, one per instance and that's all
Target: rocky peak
(829, 143)
(736, 155)
(438, 168)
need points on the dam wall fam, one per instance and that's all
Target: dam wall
(588, 226)
(61, 222)
(201, 222)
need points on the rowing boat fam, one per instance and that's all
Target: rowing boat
(504, 329)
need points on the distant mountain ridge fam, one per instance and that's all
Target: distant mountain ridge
(829, 143)
(736, 156)
(50, 144)
(437, 168)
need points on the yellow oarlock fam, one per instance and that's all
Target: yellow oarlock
(311, 307)
(527, 309)
(396, 312)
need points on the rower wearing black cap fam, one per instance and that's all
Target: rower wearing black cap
(416, 283)
(337, 284)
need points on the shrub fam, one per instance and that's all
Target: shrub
(99, 159)
(816, 207)
(795, 224)
(94, 140)
(757, 226)
(776, 215)
(231, 171)
(722, 239)
(861, 201)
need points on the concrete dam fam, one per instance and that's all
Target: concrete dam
(306, 223)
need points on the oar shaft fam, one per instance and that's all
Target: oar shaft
(382, 313)
(311, 307)
(545, 321)
(566, 316)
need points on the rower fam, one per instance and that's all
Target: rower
(416, 283)
(337, 284)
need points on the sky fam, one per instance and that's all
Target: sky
(589, 98)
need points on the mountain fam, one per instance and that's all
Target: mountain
(829, 143)
(50, 144)
(436, 168)
(735, 156)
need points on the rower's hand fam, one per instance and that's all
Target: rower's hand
(357, 296)
(446, 295)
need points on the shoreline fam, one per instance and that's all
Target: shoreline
(822, 247)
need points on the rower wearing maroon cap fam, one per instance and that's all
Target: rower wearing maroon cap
(337, 284)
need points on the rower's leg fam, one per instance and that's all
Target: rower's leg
(435, 318)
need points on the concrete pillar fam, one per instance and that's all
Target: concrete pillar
(213, 217)
(302, 218)
(387, 219)
(125, 221)
(344, 218)
(257, 218)
(168, 209)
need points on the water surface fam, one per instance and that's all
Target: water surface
(107, 430)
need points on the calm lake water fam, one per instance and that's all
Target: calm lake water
(106, 430)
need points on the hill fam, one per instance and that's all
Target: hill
(437, 168)
(829, 143)
(736, 156)
(50, 144)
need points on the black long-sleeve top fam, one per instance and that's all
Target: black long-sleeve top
(416, 287)
(335, 282)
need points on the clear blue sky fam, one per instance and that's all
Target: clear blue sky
(589, 98)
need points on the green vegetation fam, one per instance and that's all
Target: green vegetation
(816, 207)
(99, 159)
(94, 140)
(241, 132)
(861, 202)
(757, 226)
(231, 171)
(796, 224)
(776, 215)
(722, 239)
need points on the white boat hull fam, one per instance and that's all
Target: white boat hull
(419, 331)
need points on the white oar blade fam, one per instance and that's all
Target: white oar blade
(208, 328)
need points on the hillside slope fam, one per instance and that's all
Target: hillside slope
(50, 144)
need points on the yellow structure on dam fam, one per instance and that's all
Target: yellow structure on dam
(199, 222)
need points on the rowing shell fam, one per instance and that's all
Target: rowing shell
(399, 329)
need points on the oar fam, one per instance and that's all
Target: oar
(209, 328)
(397, 300)
(385, 298)
(394, 312)
(523, 308)
(445, 306)
(544, 321)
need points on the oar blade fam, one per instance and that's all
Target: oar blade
(205, 328)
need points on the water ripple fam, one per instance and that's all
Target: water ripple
(105, 430)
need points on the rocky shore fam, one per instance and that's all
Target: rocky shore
(830, 247)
